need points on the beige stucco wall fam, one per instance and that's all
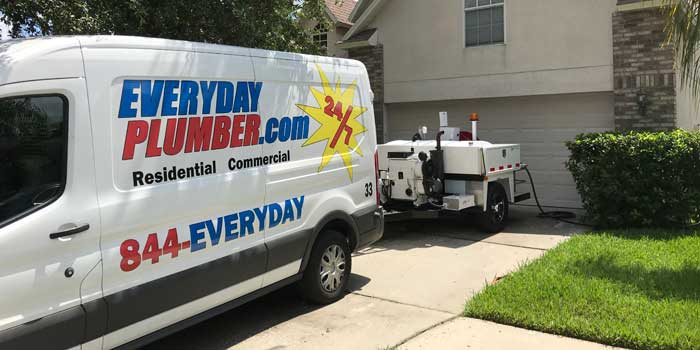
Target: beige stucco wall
(687, 108)
(335, 35)
(552, 46)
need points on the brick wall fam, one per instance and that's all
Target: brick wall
(373, 58)
(643, 67)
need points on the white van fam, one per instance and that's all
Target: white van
(149, 184)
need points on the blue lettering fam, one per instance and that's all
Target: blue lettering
(169, 96)
(196, 235)
(299, 203)
(275, 214)
(214, 233)
(300, 127)
(241, 103)
(285, 129)
(231, 226)
(224, 97)
(150, 98)
(238, 225)
(270, 133)
(128, 97)
(188, 97)
(260, 213)
(207, 94)
(288, 211)
(247, 218)
(254, 89)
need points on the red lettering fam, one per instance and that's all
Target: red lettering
(171, 245)
(222, 132)
(131, 259)
(237, 130)
(151, 250)
(252, 130)
(152, 149)
(198, 134)
(343, 127)
(329, 107)
(194, 134)
(174, 140)
(136, 132)
(338, 110)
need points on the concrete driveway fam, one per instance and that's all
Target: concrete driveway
(407, 291)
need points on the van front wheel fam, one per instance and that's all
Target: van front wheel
(328, 270)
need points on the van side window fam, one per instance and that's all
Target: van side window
(33, 139)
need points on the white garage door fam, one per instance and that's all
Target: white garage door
(541, 124)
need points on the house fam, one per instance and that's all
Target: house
(537, 72)
(338, 12)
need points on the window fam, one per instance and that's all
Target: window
(483, 22)
(32, 153)
(321, 36)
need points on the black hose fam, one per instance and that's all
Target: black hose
(557, 214)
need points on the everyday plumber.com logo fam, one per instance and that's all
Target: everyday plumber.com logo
(168, 118)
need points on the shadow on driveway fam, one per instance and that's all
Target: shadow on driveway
(239, 324)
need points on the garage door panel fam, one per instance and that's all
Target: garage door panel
(545, 164)
(542, 149)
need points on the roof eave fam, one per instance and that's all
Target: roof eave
(364, 19)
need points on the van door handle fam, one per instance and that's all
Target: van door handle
(69, 232)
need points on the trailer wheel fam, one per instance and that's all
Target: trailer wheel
(494, 219)
(328, 271)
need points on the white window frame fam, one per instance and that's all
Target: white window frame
(476, 8)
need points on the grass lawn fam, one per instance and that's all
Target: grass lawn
(634, 289)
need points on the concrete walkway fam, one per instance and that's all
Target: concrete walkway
(407, 291)
(468, 333)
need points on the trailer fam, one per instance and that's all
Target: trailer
(428, 178)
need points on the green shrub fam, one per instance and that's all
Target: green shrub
(638, 179)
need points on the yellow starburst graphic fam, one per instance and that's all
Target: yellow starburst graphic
(338, 118)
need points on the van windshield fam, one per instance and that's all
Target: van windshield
(32, 153)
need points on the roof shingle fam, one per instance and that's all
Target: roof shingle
(341, 9)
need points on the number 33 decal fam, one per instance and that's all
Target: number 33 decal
(368, 189)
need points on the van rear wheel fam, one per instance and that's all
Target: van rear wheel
(328, 271)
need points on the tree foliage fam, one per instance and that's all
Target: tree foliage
(267, 24)
(683, 28)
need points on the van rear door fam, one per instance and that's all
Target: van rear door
(49, 223)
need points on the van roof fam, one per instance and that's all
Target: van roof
(57, 57)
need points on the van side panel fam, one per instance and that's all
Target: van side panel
(215, 171)
(329, 133)
(171, 209)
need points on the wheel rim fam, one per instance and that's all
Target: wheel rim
(332, 271)
(499, 209)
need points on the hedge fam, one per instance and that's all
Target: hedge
(638, 179)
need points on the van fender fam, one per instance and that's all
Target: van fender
(344, 222)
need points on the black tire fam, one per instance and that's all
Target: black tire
(313, 287)
(494, 219)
